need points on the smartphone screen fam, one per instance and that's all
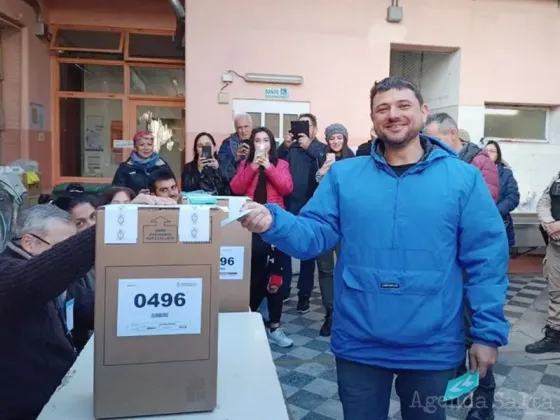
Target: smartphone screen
(299, 127)
(259, 150)
(206, 152)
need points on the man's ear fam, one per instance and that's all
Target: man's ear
(27, 243)
(425, 113)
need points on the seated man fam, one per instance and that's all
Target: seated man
(162, 183)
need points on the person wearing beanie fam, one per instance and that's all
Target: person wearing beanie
(135, 172)
(336, 136)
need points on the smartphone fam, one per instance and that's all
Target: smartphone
(331, 157)
(299, 127)
(206, 152)
(259, 150)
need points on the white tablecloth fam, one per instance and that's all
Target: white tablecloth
(248, 386)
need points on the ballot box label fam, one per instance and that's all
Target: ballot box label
(165, 306)
(232, 259)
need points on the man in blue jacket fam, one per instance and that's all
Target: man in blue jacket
(410, 218)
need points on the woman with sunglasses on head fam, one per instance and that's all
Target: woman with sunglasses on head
(83, 211)
(135, 172)
(203, 173)
(267, 180)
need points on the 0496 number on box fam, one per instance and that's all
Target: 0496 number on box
(148, 307)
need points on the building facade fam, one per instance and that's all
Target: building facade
(81, 90)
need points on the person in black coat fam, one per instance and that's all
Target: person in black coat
(44, 257)
(135, 172)
(508, 197)
(203, 173)
(364, 149)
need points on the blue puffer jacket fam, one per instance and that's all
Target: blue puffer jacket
(405, 242)
(508, 199)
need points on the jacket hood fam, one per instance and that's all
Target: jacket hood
(434, 149)
(469, 151)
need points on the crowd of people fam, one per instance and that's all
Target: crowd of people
(418, 219)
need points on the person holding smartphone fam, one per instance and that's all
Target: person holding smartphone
(235, 148)
(265, 179)
(304, 157)
(337, 149)
(203, 172)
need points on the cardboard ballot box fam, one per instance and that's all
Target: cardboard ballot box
(156, 310)
(235, 261)
(235, 253)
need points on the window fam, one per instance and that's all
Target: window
(156, 81)
(96, 78)
(149, 46)
(515, 123)
(72, 39)
(87, 130)
(275, 115)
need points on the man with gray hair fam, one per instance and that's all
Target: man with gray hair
(443, 127)
(38, 265)
(235, 148)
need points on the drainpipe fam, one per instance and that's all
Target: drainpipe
(41, 30)
(179, 10)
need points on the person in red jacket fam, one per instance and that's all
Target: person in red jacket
(443, 127)
(265, 179)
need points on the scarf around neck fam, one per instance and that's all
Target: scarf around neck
(149, 162)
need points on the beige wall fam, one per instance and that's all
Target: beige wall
(340, 50)
(26, 70)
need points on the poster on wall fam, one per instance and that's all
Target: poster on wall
(93, 145)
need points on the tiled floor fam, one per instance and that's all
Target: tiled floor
(528, 386)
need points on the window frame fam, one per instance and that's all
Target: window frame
(130, 58)
(126, 97)
(57, 28)
(545, 109)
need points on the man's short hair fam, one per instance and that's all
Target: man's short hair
(443, 121)
(312, 117)
(35, 219)
(243, 115)
(390, 83)
(163, 174)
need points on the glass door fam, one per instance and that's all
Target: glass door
(166, 120)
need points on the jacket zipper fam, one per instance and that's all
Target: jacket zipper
(395, 207)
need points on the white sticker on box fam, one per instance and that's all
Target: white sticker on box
(194, 223)
(167, 306)
(121, 224)
(232, 260)
(234, 206)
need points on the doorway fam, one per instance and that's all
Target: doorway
(166, 119)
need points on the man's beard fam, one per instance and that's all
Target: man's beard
(401, 142)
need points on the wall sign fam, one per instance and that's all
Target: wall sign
(275, 93)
